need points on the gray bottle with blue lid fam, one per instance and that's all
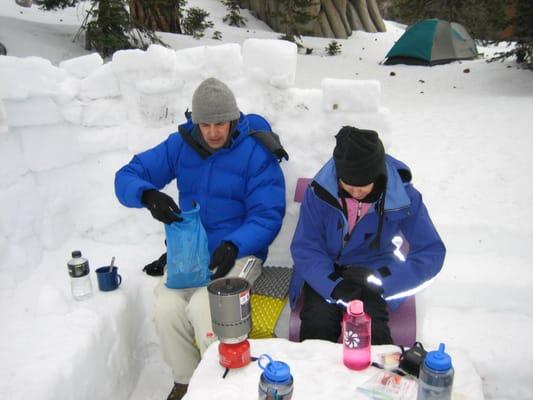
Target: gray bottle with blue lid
(276, 382)
(436, 376)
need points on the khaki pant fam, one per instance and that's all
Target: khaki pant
(183, 321)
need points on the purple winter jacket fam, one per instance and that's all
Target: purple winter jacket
(318, 240)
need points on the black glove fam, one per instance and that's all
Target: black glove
(346, 291)
(161, 205)
(223, 259)
(364, 277)
(157, 267)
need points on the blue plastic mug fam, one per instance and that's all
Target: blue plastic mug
(108, 279)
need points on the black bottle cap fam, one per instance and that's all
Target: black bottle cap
(76, 254)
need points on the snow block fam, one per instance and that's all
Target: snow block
(104, 112)
(100, 140)
(225, 61)
(21, 78)
(135, 65)
(13, 165)
(270, 61)
(49, 146)
(162, 108)
(3, 118)
(21, 197)
(350, 95)
(305, 101)
(18, 259)
(67, 90)
(102, 83)
(159, 85)
(190, 63)
(81, 67)
(72, 112)
(163, 58)
(60, 212)
(101, 210)
(41, 110)
(378, 121)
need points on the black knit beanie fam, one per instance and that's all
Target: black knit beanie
(359, 156)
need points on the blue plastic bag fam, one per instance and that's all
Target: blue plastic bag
(187, 252)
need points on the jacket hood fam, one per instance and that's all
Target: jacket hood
(398, 174)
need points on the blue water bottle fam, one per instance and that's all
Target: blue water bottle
(436, 376)
(276, 381)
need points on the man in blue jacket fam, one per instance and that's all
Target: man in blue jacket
(358, 209)
(219, 162)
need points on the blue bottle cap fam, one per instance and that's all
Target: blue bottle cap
(275, 371)
(438, 360)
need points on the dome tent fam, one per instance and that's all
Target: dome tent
(432, 42)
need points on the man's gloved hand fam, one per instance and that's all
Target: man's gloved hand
(363, 277)
(223, 259)
(346, 291)
(157, 267)
(161, 205)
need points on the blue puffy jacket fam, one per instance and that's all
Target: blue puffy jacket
(240, 188)
(318, 240)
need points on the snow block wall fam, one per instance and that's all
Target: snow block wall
(64, 132)
(89, 117)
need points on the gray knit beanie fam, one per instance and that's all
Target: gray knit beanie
(213, 102)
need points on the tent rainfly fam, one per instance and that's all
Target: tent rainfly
(432, 42)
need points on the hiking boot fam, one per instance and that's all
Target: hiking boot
(178, 391)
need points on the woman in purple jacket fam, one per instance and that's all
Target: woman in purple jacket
(357, 211)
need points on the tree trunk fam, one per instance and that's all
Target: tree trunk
(334, 19)
(353, 18)
(341, 6)
(373, 10)
(324, 25)
(362, 9)
(161, 15)
(330, 18)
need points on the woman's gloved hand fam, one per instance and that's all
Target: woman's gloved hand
(363, 277)
(346, 291)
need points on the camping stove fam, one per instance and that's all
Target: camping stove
(229, 301)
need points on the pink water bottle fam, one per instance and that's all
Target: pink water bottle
(356, 336)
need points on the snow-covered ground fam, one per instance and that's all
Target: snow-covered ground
(464, 129)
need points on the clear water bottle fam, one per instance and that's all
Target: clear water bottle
(80, 281)
(276, 381)
(356, 337)
(436, 376)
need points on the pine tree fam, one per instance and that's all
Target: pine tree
(333, 48)
(195, 22)
(523, 23)
(49, 5)
(108, 26)
(234, 17)
(293, 15)
(483, 19)
(107, 32)
(522, 36)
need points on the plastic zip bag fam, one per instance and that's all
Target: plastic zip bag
(187, 252)
(386, 385)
